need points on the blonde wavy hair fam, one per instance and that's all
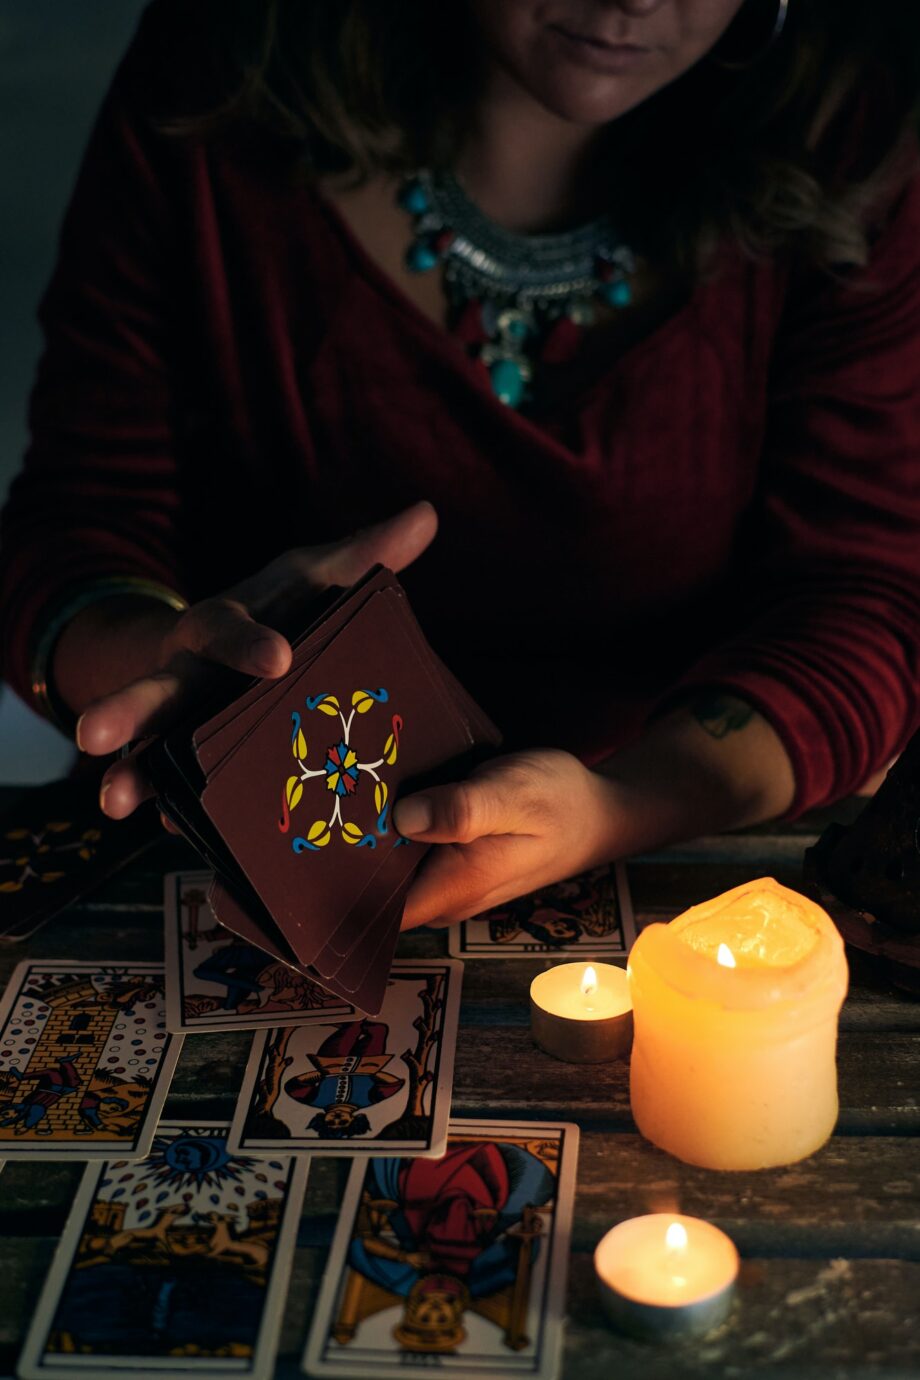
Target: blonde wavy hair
(797, 153)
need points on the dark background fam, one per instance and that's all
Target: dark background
(56, 59)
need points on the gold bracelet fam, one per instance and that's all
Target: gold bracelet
(47, 701)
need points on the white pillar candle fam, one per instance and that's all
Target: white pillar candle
(581, 1012)
(665, 1275)
(735, 1006)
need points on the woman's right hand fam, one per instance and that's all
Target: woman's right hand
(234, 630)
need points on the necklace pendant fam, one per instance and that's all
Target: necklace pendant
(509, 378)
(529, 288)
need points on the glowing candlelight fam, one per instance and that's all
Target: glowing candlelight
(726, 957)
(660, 1276)
(581, 1013)
(736, 1005)
(675, 1237)
(588, 986)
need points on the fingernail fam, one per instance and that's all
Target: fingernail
(264, 653)
(77, 733)
(102, 794)
(413, 816)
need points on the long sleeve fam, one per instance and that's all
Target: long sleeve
(97, 496)
(830, 645)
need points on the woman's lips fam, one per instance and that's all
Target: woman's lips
(598, 54)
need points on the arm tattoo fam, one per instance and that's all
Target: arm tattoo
(720, 714)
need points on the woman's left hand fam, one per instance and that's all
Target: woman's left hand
(517, 824)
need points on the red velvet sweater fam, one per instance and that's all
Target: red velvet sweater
(733, 502)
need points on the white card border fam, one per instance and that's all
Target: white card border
(601, 949)
(176, 1024)
(443, 1088)
(262, 1365)
(99, 1150)
(550, 1361)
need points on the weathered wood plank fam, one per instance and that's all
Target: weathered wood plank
(807, 1319)
(500, 1072)
(854, 1197)
(135, 934)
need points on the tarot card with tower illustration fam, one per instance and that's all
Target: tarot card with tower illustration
(85, 1059)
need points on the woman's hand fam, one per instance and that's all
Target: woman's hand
(525, 821)
(234, 630)
(517, 824)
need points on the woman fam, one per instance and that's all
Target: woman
(670, 442)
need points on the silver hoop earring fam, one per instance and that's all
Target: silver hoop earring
(729, 64)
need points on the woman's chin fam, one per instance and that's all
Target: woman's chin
(586, 98)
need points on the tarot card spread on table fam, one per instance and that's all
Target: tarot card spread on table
(287, 791)
(366, 1086)
(588, 916)
(85, 1059)
(215, 980)
(457, 1263)
(174, 1264)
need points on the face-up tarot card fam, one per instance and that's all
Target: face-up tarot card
(364, 1086)
(217, 981)
(85, 1060)
(589, 916)
(458, 1264)
(177, 1264)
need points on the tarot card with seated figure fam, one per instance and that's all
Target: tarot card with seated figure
(215, 980)
(589, 916)
(358, 1086)
(177, 1264)
(457, 1264)
(85, 1059)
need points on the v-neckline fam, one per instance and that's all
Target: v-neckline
(452, 349)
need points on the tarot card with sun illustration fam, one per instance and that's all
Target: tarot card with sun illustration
(177, 1264)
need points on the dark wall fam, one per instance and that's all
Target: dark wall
(56, 58)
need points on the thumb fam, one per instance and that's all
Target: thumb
(395, 543)
(459, 813)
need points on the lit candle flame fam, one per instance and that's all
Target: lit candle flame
(675, 1238)
(725, 956)
(589, 982)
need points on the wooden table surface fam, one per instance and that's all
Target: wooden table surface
(830, 1283)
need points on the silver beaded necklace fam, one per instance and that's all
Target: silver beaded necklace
(520, 287)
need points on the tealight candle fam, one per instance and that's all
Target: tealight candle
(581, 1012)
(736, 1005)
(664, 1276)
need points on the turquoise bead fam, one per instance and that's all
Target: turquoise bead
(618, 294)
(518, 330)
(507, 381)
(414, 199)
(420, 257)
